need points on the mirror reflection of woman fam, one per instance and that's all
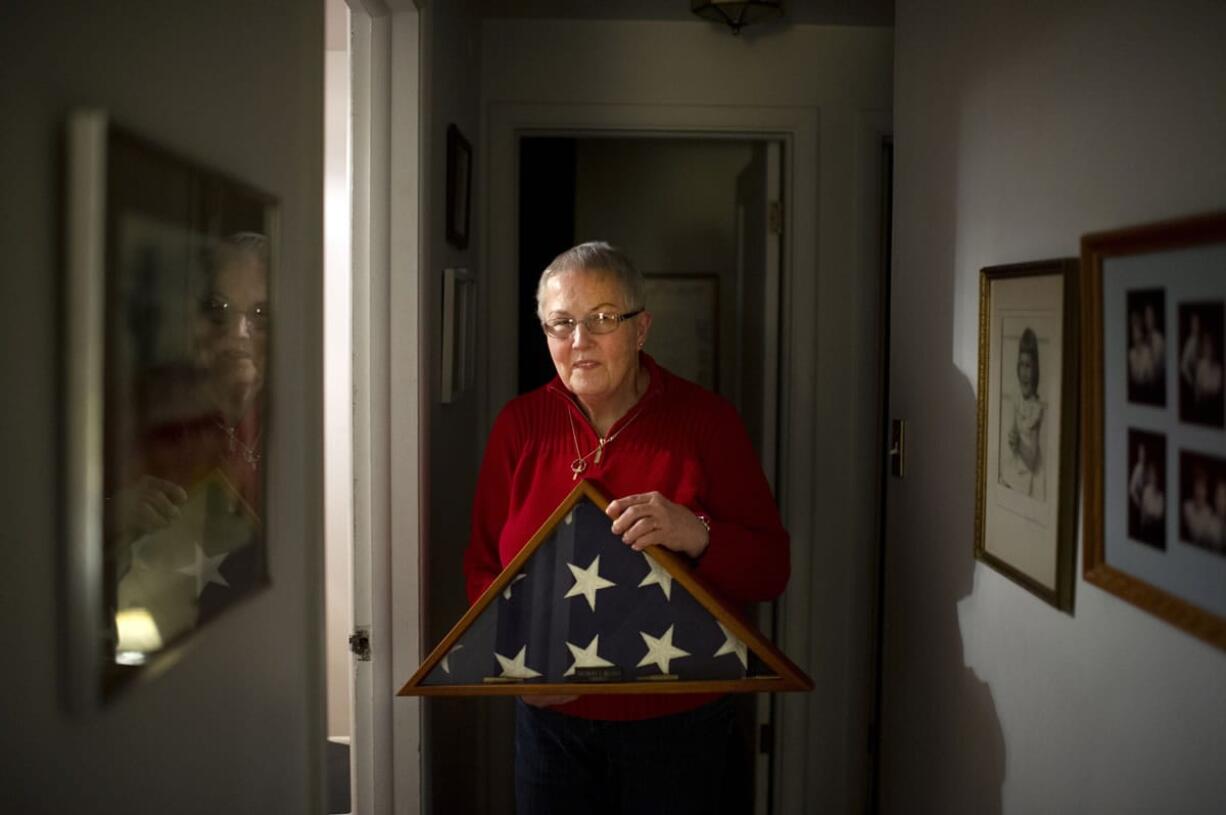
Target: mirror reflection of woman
(187, 526)
(223, 429)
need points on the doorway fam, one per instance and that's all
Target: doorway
(372, 419)
(699, 216)
(338, 410)
(693, 214)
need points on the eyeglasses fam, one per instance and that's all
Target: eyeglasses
(221, 314)
(600, 322)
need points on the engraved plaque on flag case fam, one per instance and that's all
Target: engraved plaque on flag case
(579, 610)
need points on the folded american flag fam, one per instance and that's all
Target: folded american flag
(585, 608)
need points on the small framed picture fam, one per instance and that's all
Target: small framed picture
(459, 333)
(459, 187)
(1147, 488)
(1025, 509)
(685, 329)
(1154, 420)
(1202, 501)
(1147, 347)
(1200, 363)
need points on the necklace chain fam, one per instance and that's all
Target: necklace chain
(579, 465)
(251, 455)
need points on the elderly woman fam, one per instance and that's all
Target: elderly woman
(684, 475)
(186, 532)
(220, 426)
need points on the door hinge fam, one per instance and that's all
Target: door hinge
(898, 447)
(359, 643)
(766, 738)
(774, 218)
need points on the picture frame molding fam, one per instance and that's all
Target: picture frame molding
(1095, 248)
(458, 346)
(1062, 595)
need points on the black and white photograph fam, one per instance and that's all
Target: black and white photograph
(1026, 492)
(1155, 454)
(1200, 363)
(1202, 501)
(1147, 488)
(1147, 347)
(1022, 465)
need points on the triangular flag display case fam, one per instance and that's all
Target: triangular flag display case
(578, 611)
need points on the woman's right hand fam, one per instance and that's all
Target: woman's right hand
(148, 505)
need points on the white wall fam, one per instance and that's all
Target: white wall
(237, 725)
(338, 380)
(843, 75)
(1019, 128)
(457, 777)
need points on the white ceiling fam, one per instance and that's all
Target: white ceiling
(816, 12)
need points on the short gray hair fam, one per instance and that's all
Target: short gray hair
(235, 247)
(601, 258)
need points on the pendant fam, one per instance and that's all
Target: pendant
(599, 452)
(577, 466)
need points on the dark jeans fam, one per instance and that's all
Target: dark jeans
(672, 764)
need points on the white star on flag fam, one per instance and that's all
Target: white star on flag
(586, 657)
(660, 651)
(587, 582)
(447, 657)
(506, 593)
(732, 646)
(658, 576)
(205, 570)
(515, 668)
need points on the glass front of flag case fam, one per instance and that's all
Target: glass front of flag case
(579, 610)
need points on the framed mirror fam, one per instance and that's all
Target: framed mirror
(168, 326)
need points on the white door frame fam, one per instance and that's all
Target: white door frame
(386, 193)
(798, 128)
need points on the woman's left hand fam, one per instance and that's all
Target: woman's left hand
(650, 519)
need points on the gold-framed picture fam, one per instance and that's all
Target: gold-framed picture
(1026, 494)
(1154, 421)
(685, 328)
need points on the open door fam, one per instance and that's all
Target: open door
(385, 189)
(759, 220)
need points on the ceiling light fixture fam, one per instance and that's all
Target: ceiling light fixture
(737, 13)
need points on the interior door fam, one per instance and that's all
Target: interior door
(386, 193)
(759, 221)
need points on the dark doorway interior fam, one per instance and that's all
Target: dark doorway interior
(546, 229)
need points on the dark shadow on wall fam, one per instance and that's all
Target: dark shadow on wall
(943, 748)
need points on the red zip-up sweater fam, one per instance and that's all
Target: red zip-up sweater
(680, 439)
